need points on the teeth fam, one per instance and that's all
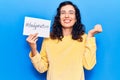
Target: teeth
(67, 21)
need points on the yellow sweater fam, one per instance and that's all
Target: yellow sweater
(64, 60)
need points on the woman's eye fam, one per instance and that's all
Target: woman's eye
(62, 12)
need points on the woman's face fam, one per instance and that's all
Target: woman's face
(67, 16)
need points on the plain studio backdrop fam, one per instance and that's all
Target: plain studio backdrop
(14, 50)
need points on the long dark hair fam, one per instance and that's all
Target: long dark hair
(78, 28)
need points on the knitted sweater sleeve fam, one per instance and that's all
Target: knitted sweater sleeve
(40, 61)
(89, 57)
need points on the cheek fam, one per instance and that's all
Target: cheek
(74, 19)
(61, 19)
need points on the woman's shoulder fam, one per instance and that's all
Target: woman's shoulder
(84, 35)
(49, 40)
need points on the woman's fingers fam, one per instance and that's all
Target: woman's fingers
(32, 38)
(35, 37)
(98, 28)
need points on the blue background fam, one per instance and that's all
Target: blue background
(14, 61)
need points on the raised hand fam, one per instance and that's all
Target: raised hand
(97, 29)
(32, 39)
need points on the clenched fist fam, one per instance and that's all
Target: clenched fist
(97, 29)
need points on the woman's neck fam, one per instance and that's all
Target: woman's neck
(67, 31)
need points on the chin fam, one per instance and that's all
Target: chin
(67, 27)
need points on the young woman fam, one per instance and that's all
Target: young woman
(69, 49)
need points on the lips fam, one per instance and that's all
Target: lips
(67, 20)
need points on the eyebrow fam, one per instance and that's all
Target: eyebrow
(69, 11)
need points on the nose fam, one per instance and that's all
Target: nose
(67, 15)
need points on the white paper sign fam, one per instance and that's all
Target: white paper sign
(36, 25)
